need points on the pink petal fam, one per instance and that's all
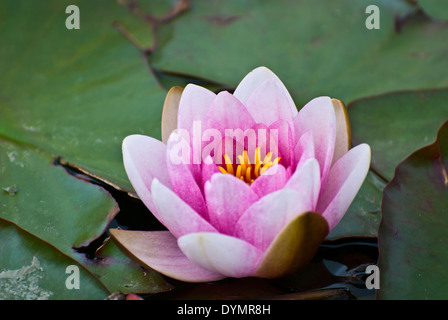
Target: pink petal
(230, 112)
(254, 79)
(271, 180)
(227, 199)
(182, 179)
(344, 180)
(206, 135)
(176, 215)
(285, 141)
(209, 138)
(209, 168)
(262, 221)
(195, 101)
(266, 139)
(259, 135)
(230, 147)
(221, 253)
(306, 180)
(159, 251)
(318, 117)
(304, 149)
(144, 159)
(268, 103)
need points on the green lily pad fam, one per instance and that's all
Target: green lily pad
(73, 94)
(48, 202)
(134, 28)
(316, 47)
(113, 264)
(396, 124)
(435, 9)
(31, 269)
(65, 213)
(364, 214)
(76, 93)
(412, 236)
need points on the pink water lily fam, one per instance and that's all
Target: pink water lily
(262, 211)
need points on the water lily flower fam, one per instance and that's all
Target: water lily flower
(261, 211)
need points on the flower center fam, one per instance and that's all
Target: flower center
(245, 170)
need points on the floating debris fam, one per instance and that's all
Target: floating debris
(11, 190)
(23, 283)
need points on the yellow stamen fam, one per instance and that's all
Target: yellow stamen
(243, 165)
(228, 163)
(246, 157)
(257, 169)
(222, 169)
(238, 171)
(245, 170)
(257, 155)
(265, 167)
(276, 161)
(248, 176)
(268, 157)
